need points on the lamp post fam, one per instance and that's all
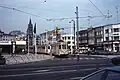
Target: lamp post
(74, 33)
(13, 46)
(77, 26)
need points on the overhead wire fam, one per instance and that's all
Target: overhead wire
(97, 8)
(12, 8)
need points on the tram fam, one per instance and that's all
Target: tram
(59, 48)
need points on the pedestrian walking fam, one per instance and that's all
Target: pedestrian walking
(78, 57)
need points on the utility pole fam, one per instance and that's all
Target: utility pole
(109, 31)
(117, 13)
(77, 25)
(74, 33)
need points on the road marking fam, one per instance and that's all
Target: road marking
(74, 78)
(18, 75)
(80, 58)
(87, 58)
(69, 58)
(54, 67)
(100, 58)
(41, 71)
(92, 58)
(44, 72)
(88, 69)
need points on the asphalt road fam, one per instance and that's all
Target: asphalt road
(56, 69)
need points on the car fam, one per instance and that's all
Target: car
(101, 52)
(115, 60)
(110, 73)
(2, 60)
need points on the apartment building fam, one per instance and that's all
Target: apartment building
(69, 38)
(106, 37)
(112, 37)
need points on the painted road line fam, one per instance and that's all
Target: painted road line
(88, 69)
(54, 72)
(74, 78)
(70, 59)
(92, 58)
(80, 58)
(40, 73)
(87, 58)
(41, 70)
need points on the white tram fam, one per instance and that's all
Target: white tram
(59, 48)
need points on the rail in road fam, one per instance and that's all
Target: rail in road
(64, 71)
(68, 72)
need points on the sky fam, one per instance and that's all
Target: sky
(55, 9)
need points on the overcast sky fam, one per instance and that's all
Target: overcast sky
(13, 20)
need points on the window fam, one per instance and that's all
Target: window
(116, 37)
(59, 46)
(48, 47)
(69, 47)
(107, 38)
(72, 47)
(63, 46)
(68, 37)
(72, 38)
(43, 47)
(68, 42)
(106, 31)
(116, 29)
(65, 38)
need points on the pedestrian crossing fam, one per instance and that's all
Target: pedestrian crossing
(84, 58)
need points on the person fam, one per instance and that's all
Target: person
(78, 57)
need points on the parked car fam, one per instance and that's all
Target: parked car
(111, 73)
(2, 60)
(115, 60)
(101, 52)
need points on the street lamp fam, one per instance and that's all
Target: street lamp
(48, 43)
(13, 46)
(74, 33)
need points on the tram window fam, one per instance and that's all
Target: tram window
(64, 46)
(59, 46)
(48, 47)
(68, 38)
(69, 47)
(68, 42)
(43, 47)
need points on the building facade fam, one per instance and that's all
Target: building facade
(69, 38)
(106, 37)
(83, 40)
(98, 37)
(47, 37)
(112, 37)
(7, 41)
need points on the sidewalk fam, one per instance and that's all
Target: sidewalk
(17, 59)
